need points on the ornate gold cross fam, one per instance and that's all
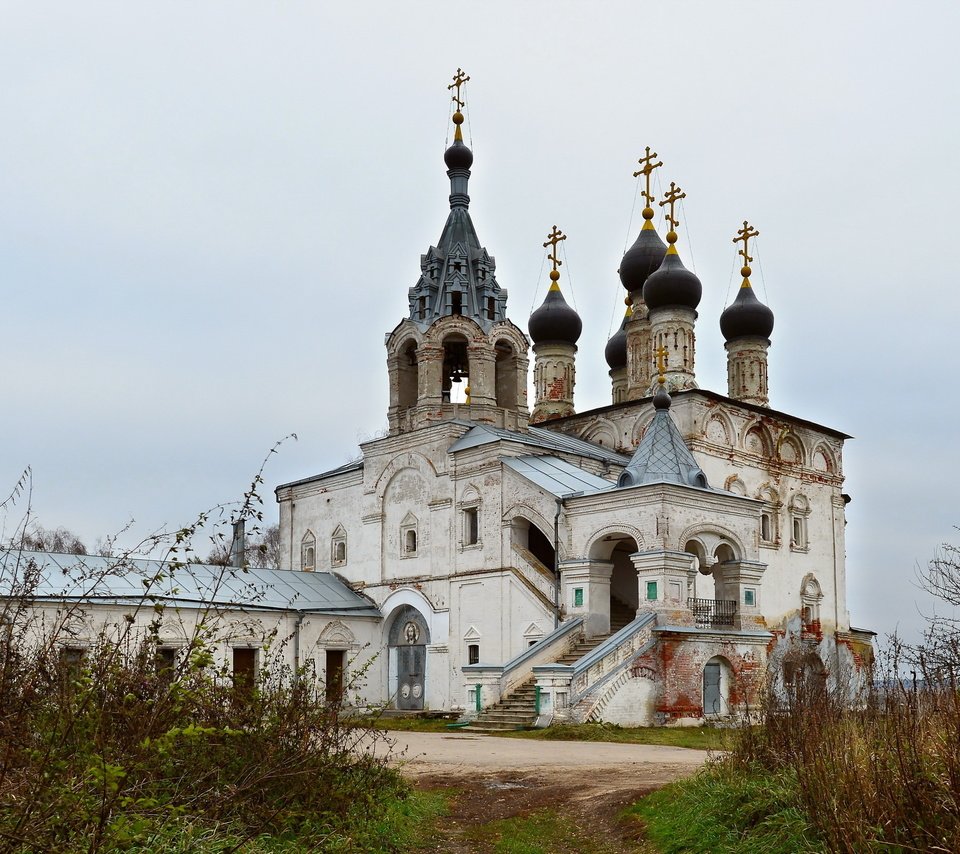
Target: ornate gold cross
(648, 166)
(458, 80)
(553, 238)
(743, 236)
(661, 354)
(671, 197)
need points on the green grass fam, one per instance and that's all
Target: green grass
(698, 738)
(401, 821)
(727, 809)
(410, 724)
(544, 831)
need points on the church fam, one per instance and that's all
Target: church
(659, 560)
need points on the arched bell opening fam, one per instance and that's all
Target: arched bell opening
(506, 375)
(407, 375)
(456, 369)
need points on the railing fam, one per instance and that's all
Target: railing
(713, 613)
(492, 682)
(538, 576)
(575, 691)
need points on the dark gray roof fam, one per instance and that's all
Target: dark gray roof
(663, 457)
(93, 579)
(536, 437)
(459, 265)
(556, 476)
(355, 465)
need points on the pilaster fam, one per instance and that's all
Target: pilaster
(665, 579)
(741, 581)
(592, 579)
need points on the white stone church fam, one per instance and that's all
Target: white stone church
(654, 561)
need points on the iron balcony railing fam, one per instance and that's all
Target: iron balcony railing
(712, 613)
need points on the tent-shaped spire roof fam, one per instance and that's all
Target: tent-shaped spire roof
(662, 456)
(457, 276)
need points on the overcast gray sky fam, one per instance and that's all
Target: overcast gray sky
(210, 214)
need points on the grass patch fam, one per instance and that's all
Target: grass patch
(726, 809)
(698, 738)
(409, 724)
(545, 831)
(400, 820)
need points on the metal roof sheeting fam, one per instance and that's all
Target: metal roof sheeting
(556, 476)
(96, 579)
(537, 437)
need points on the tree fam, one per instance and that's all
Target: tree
(40, 539)
(262, 550)
(939, 653)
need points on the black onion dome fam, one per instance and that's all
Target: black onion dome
(616, 350)
(458, 156)
(746, 317)
(642, 259)
(673, 284)
(661, 400)
(555, 320)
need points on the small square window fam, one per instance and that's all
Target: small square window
(749, 597)
(473, 653)
(651, 591)
(577, 597)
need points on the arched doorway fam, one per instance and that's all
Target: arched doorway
(407, 640)
(624, 587)
(716, 687)
(703, 583)
(527, 535)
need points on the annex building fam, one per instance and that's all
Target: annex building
(656, 560)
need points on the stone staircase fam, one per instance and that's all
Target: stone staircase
(518, 710)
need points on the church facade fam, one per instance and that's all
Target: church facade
(658, 560)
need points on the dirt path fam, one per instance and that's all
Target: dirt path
(501, 778)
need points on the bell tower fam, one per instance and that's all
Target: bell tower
(456, 355)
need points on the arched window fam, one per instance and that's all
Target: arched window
(769, 517)
(408, 536)
(810, 598)
(799, 512)
(338, 547)
(308, 552)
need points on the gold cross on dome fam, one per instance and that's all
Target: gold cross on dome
(647, 167)
(744, 236)
(671, 197)
(661, 354)
(553, 238)
(458, 80)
